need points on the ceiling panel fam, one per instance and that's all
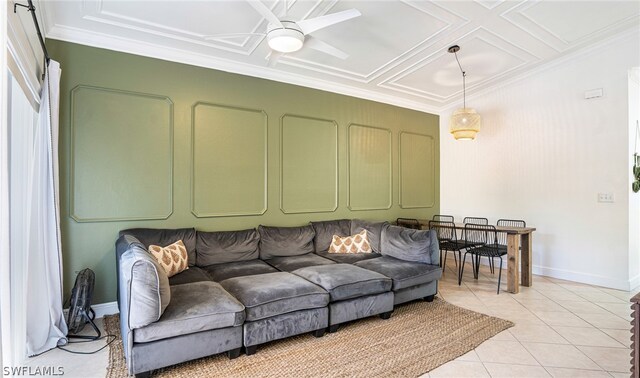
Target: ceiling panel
(194, 22)
(484, 58)
(397, 49)
(381, 37)
(570, 23)
(403, 30)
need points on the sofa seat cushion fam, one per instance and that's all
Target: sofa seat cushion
(403, 273)
(345, 281)
(193, 274)
(271, 294)
(348, 258)
(291, 263)
(194, 307)
(220, 272)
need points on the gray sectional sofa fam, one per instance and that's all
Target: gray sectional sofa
(249, 287)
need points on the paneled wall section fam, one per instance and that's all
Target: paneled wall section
(149, 143)
(417, 171)
(229, 165)
(116, 135)
(370, 168)
(308, 165)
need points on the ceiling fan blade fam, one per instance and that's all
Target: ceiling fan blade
(265, 12)
(229, 35)
(313, 24)
(316, 44)
(273, 58)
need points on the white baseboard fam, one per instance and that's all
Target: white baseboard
(586, 278)
(103, 309)
(634, 283)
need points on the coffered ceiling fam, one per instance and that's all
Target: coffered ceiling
(397, 49)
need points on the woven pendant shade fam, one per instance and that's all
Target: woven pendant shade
(464, 124)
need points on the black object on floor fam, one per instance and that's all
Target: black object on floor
(80, 311)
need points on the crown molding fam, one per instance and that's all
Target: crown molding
(104, 41)
(126, 45)
(632, 34)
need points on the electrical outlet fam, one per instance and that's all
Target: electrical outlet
(605, 197)
(594, 93)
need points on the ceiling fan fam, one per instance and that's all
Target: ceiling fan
(284, 36)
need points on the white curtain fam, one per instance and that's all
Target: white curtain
(46, 327)
(5, 280)
(22, 127)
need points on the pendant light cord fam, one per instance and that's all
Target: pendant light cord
(464, 84)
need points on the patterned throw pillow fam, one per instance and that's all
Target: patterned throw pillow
(358, 243)
(173, 258)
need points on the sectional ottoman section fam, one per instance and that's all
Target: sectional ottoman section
(354, 292)
(245, 288)
(278, 305)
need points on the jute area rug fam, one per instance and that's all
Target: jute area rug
(418, 337)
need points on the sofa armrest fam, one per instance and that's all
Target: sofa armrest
(143, 289)
(434, 247)
(124, 244)
(410, 245)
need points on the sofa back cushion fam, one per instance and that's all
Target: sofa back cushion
(148, 286)
(164, 237)
(374, 229)
(226, 246)
(410, 244)
(325, 231)
(285, 241)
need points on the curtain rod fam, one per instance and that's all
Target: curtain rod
(31, 8)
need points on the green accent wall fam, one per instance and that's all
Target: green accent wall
(151, 143)
(229, 162)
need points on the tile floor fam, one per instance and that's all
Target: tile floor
(563, 329)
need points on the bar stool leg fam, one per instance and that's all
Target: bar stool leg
(460, 266)
(500, 275)
(461, 271)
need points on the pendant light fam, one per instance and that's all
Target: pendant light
(465, 122)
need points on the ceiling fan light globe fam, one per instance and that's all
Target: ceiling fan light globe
(464, 124)
(285, 40)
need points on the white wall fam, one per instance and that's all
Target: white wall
(25, 57)
(543, 154)
(5, 260)
(634, 198)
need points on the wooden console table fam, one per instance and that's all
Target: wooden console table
(516, 237)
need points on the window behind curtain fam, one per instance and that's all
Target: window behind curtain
(22, 120)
